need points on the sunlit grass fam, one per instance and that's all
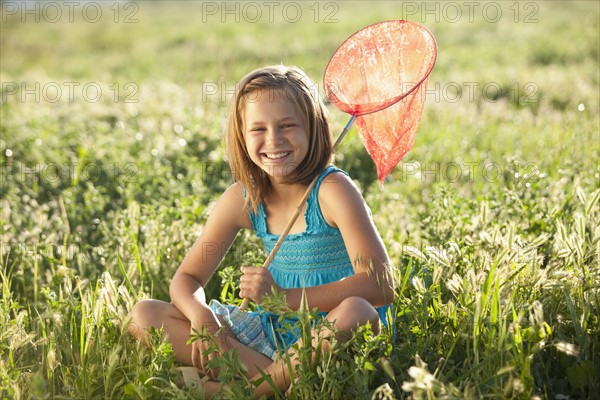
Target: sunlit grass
(491, 221)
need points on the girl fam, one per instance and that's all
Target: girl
(277, 140)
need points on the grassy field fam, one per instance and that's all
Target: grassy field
(111, 154)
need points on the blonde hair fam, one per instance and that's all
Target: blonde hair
(293, 85)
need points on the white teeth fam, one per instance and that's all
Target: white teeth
(276, 156)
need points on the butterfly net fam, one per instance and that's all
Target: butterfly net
(379, 75)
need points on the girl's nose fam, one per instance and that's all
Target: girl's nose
(274, 137)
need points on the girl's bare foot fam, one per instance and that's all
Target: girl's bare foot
(191, 379)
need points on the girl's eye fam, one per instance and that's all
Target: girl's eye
(288, 126)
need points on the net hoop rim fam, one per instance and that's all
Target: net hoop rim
(395, 100)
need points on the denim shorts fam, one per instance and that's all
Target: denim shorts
(246, 326)
(269, 333)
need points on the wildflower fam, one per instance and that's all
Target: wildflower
(423, 380)
(439, 256)
(567, 348)
(51, 359)
(418, 284)
(414, 252)
(454, 284)
(383, 392)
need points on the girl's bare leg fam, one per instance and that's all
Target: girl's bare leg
(176, 327)
(346, 318)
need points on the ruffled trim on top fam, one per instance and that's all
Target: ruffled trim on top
(313, 216)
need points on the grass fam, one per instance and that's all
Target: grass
(491, 221)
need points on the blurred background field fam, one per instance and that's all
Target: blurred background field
(111, 154)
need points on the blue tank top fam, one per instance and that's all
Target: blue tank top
(314, 257)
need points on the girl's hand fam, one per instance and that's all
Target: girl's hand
(255, 282)
(200, 357)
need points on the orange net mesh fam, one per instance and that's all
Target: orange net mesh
(379, 74)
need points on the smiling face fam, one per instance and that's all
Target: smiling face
(274, 133)
(276, 138)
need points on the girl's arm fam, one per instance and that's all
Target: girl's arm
(224, 222)
(343, 207)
